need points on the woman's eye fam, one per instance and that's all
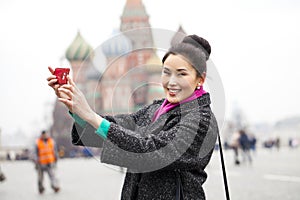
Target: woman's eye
(166, 72)
(182, 74)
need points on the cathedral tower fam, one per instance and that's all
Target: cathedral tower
(135, 18)
(79, 55)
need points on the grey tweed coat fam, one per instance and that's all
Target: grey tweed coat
(180, 141)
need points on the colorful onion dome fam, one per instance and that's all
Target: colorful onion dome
(79, 49)
(117, 45)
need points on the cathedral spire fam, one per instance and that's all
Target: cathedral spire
(134, 16)
(133, 3)
(178, 37)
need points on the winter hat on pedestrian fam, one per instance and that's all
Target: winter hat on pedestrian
(193, 48)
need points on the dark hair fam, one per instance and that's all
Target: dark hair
(43, 132)
(194, 48)
(203, 43)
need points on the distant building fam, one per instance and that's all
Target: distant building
(130, 80)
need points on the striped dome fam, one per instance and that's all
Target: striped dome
(79, 49)
(118, 45)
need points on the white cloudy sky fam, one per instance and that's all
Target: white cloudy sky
(255, 47)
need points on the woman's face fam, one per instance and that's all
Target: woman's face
(179, 78)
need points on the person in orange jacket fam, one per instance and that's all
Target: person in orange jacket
(45, 160)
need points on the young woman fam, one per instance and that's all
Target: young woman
(165, 146)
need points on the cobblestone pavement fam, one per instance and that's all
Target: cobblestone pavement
(272, 175)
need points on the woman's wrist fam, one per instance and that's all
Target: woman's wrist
(94, 119)
(78, 119)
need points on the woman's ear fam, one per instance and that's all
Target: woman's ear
(202, 78)
(200, 82)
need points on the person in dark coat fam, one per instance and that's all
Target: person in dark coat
(2, 176)
(165, 146)
(245, 145)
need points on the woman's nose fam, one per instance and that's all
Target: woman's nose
(172, 81)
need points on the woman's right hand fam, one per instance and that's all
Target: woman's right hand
(70, 95)
(52, 82)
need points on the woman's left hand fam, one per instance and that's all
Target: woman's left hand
(76, 102)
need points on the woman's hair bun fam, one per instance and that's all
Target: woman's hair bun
(195, 49)
(198, 42)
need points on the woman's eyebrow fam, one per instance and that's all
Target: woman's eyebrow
(178, 70)
(181, 69)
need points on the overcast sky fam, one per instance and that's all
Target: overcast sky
(255, 47)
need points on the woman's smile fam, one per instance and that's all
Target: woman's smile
(173, 92)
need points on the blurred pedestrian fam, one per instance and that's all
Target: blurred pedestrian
(253, 142)
(245, 146)
(45, 161)
(295, 142)
(235, 145)
(165, 146)
(277, 143)
(61, 152)
(2, 176)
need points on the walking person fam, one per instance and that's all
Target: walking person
(2, 176)
(235, 145)
(277, 143)
(253, 142)
(166, 145)
(245, 146)
(45, 161)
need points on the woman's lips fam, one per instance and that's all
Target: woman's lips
(173, 92)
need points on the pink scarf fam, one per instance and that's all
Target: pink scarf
(167, 106)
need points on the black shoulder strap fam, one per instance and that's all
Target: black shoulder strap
(179, 188)
(223, 168)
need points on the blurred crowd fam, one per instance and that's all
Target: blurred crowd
(27, 154)
(244, 145)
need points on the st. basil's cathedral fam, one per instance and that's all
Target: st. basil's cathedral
(123, 86)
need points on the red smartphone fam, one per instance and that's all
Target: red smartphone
(61, 75)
